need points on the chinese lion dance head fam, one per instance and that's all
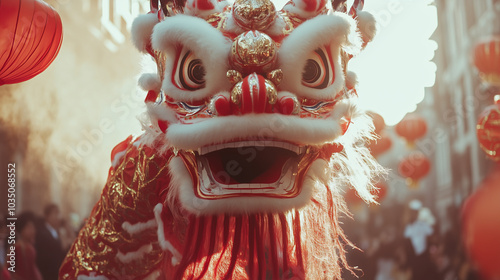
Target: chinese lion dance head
(253, 111)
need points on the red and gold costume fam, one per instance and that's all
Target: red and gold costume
(252, 132)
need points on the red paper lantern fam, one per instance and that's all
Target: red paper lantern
(487, 60)
(378, 122)
(30, 38)
(381, 145)
(414, 168)
(412, 127)
(481, 226)
(488, 130)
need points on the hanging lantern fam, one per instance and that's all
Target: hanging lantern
(378, 122)
(381, 145)
(487, 60)
(412, 127)
(414, 167)
(481, 226)
(30, 38)
(488, 130)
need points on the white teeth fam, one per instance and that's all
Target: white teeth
(291, 147)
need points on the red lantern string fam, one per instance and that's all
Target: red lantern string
(30, 38)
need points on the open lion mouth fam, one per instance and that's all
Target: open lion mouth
(265, 168)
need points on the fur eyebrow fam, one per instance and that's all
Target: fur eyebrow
(179, 29)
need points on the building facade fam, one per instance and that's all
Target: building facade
(455, 102)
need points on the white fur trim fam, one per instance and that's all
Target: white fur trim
(141, 30)
(277, 27)
(263, 126)
(328, 30)
(150, 81)
(130, 256)
(161, 112)
(351, 79)
(182, 185)
(206, 42)
(92, 277)
(232, 26)
(164, 244)
(138, 227)
(367, 25)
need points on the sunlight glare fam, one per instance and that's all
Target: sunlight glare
(395, 68)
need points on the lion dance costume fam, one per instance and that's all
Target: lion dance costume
(251, 132)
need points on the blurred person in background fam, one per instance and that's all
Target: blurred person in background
(416, 234)
(50, 253)
(26, 268)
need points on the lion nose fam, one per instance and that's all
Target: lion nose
(254, 94)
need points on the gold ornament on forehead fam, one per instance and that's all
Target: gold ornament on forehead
(254, 14)
(253, 51)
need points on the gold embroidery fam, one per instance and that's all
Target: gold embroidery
(130, 195)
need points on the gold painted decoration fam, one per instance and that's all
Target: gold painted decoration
(275, 76)
(272, 93)
(236, 93)
(234, 76)
(253, 51)
(161, 60)
(130, 195)
(254, 14)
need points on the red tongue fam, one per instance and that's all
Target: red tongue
(248, 164)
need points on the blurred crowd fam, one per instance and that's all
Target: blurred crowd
(407, 242)
(401, 242)
(41, 243)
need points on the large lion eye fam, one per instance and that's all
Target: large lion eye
(190, 72)
(318, 71)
